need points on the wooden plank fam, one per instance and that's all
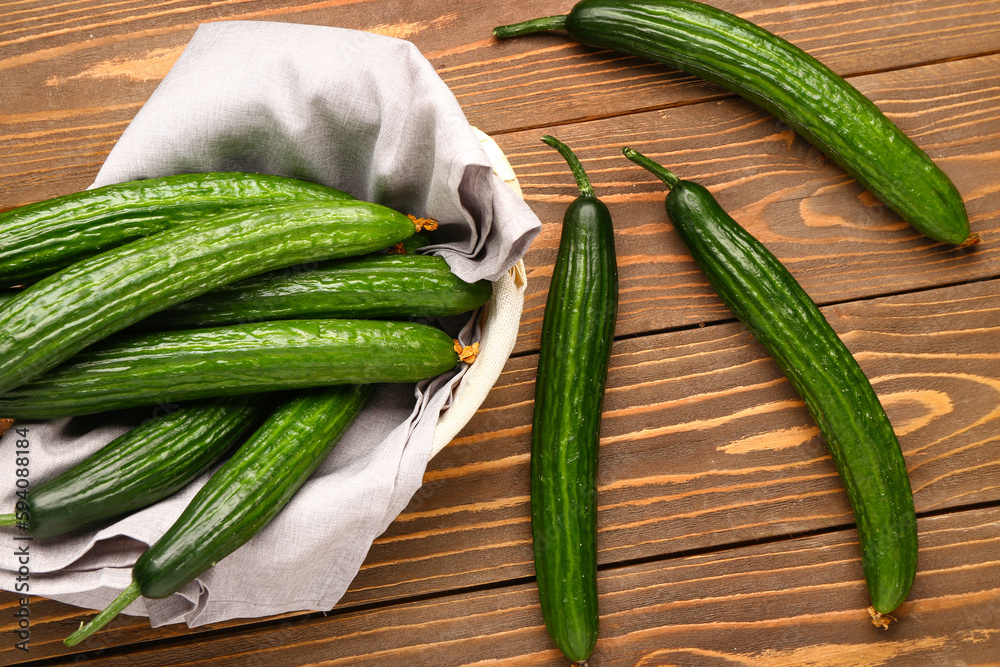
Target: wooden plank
(51, 622)
(75, 75)
(791, 602)
(837, 240)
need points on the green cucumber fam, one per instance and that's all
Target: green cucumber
(148, 463)
(577, 332)
(170, 367)
(41, 238)
(783, 80)
(56, 317)
(780, 314)
(242, 497)
(6, 295)
(374, 286)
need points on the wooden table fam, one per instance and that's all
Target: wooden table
(725, 533)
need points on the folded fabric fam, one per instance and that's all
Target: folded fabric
(361, 112)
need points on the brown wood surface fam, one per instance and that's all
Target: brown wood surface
(725, 535)
(789, 602)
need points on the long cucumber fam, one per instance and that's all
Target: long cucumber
(762, 293)
(171, 367)
(577, 332)
(374, 286)
(41, 238)
(782, 79)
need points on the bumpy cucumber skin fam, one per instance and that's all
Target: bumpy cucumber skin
(56, 317)
(577, 332)
(789, 83)
(141, 467)
(249, 490)
(41, 238)
(261, 357)
(386, 285)
(6, 295)
(780, 314)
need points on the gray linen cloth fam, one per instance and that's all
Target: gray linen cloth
(357, 111)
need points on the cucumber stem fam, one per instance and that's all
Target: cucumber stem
(582, 181)
(8, 520)
(661, 172)
(972, 240)
(118, 605)
(530, 26)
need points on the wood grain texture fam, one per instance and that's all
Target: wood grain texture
(789, 602)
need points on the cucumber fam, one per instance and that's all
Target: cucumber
(56, 317)
(763, 294)
(41, 238)
(7, 294)
(374, 286)
(170, 367)
(577, 331)
(156, 458)
(242, 497)
(783, 80)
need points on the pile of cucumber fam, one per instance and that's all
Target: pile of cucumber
(579, 319)
(261, 308)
